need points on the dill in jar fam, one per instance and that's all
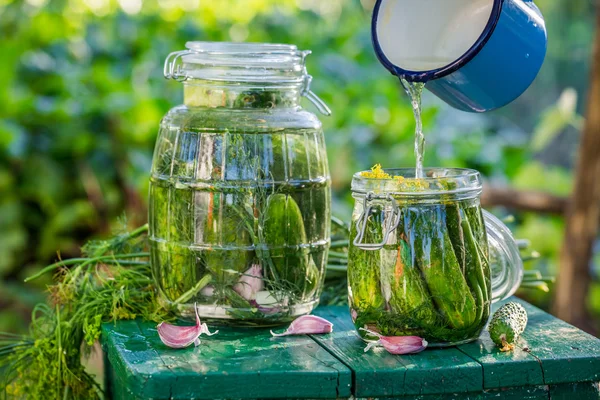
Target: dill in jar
(240, 215)
(431, 277)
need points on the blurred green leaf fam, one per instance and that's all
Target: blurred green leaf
(555, 119)
(58, 231)
(13, 236)
(82, 95)
(536, 176)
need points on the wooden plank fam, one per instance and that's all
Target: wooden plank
(557, 353)
(581, 391)
(379, 374)
(518, 393)
(243, 364)
(119, 389)
(576, 391)
(251, 364)
(503, 369)
(566, 353)
(133, 360)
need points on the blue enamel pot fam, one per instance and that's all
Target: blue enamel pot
(476, 55)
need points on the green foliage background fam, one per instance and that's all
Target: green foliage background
(82, 93)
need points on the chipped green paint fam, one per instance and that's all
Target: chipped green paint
(561, 362)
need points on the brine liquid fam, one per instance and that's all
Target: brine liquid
(239, 224)
(414, 91)
(431, 279)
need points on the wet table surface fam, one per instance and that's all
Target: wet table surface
(552, 360)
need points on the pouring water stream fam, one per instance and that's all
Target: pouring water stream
(414, 91)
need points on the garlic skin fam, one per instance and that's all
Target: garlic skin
(250, 283)
(265, 310)
(208, 291)
(397, 344)
(353, 315)
(307, 324)
(178, 337)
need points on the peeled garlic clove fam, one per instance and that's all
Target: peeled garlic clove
(307, 324)
(397, 344)
(250, 283)
(208, 291)
(179, 337)
(403, 344)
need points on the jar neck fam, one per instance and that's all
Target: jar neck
(240, 95)
(438, 185)
(441, 197)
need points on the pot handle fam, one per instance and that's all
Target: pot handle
(505, 260)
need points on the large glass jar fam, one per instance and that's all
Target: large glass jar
(424, 260)
(240, 187)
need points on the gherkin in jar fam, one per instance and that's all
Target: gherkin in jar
(240, 187)
(426, 268)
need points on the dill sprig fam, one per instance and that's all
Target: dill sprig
(112, 281)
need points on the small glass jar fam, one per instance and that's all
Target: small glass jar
(240, 187)
(424, 260)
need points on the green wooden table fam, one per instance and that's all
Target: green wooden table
(553, 360)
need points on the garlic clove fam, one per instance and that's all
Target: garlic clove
(307, 324)
(403, 344)
(208, 291)
(178, 337)
(250, 283)
(397, 344)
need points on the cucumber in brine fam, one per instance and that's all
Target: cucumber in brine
(283, 232)
(477, 223)
(364, 267)
(475, 272)
(410, 297)
(455, 230)
(472, 262)
(437, 261)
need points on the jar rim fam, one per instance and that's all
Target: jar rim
(237, 48)
(401, 181)
(264, 63)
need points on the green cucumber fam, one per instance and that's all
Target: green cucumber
(410, 297)
(455, 230)
(476, 220)
(364, 267)
(283, 231)
(439, 266)
(475, 269)
(507, 324)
